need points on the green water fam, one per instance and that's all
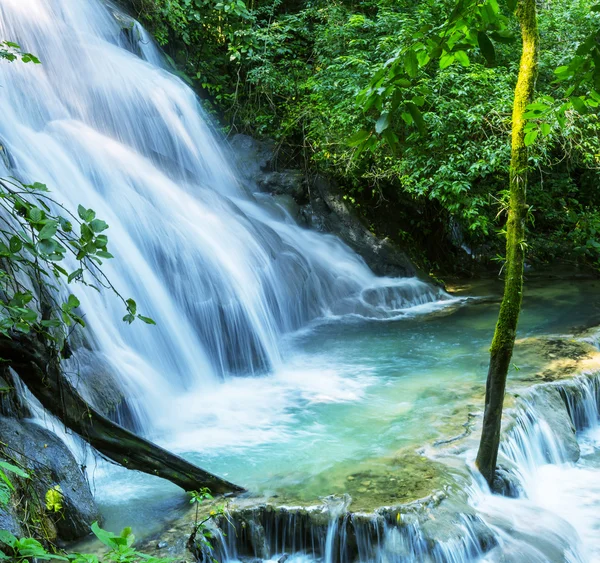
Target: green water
(353, 393)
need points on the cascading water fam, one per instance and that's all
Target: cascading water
(102, 123)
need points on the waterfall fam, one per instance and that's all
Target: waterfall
(104, 123)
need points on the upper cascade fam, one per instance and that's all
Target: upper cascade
(103, 123)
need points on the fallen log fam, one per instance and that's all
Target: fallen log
(38, 365)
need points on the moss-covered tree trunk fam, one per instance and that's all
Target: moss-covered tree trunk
(506, 328)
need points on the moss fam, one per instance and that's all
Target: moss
(506, 328)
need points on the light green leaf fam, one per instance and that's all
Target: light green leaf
(530, 137)
(383, 122)
(462, 58)
(446, 60)
(13, 469)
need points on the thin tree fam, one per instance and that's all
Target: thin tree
(506, 328)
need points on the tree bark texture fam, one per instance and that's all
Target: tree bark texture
(506, 328)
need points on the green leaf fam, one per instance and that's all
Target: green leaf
(15, 244)
(417, 116)
(545, 128)
(14, 469)
(358, 138)
(512, 5)
(578, 105)
(411, 64)
(48, 230)
(446, 60)
(74, 275)
(36, 186)
(131, 306)
(65, 225)
(486, 47)
(7, 538)
(147, 320)
(383, 122)
(107, 538)
(85, 214)
(47, 246)
(35, 214)
(462, 58)
(530, 138)
(73, 302)
(86, 233)
(98, 225)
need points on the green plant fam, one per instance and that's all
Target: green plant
(6, 485)
(36, 235)
(201, 534)
(12, 51)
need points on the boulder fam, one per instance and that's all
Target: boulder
(287, 182)
(50, 464)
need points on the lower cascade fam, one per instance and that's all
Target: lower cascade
(544, 514)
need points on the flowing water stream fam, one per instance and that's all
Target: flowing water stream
(279, 361)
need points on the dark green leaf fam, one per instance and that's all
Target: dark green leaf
(486, 47)
(147, 320)
(411, 64)
(417, 116)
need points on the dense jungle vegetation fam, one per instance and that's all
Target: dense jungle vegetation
(293, 70)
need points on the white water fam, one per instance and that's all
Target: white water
(224, 277)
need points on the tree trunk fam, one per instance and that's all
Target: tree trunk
(506, 328)
(39, 368)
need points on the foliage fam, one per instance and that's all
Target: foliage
(25, 550)
(6, 485)
(54, 499)
(36, 236)
(12, 51)
(201, 534)
(121, 550)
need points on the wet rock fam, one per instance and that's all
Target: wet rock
(98, 383)
(329, 212)
(550, 407)
(50, 463)
(12, 404)
(322, 206)
(506, 483)
(254, 158)
(287, 182)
